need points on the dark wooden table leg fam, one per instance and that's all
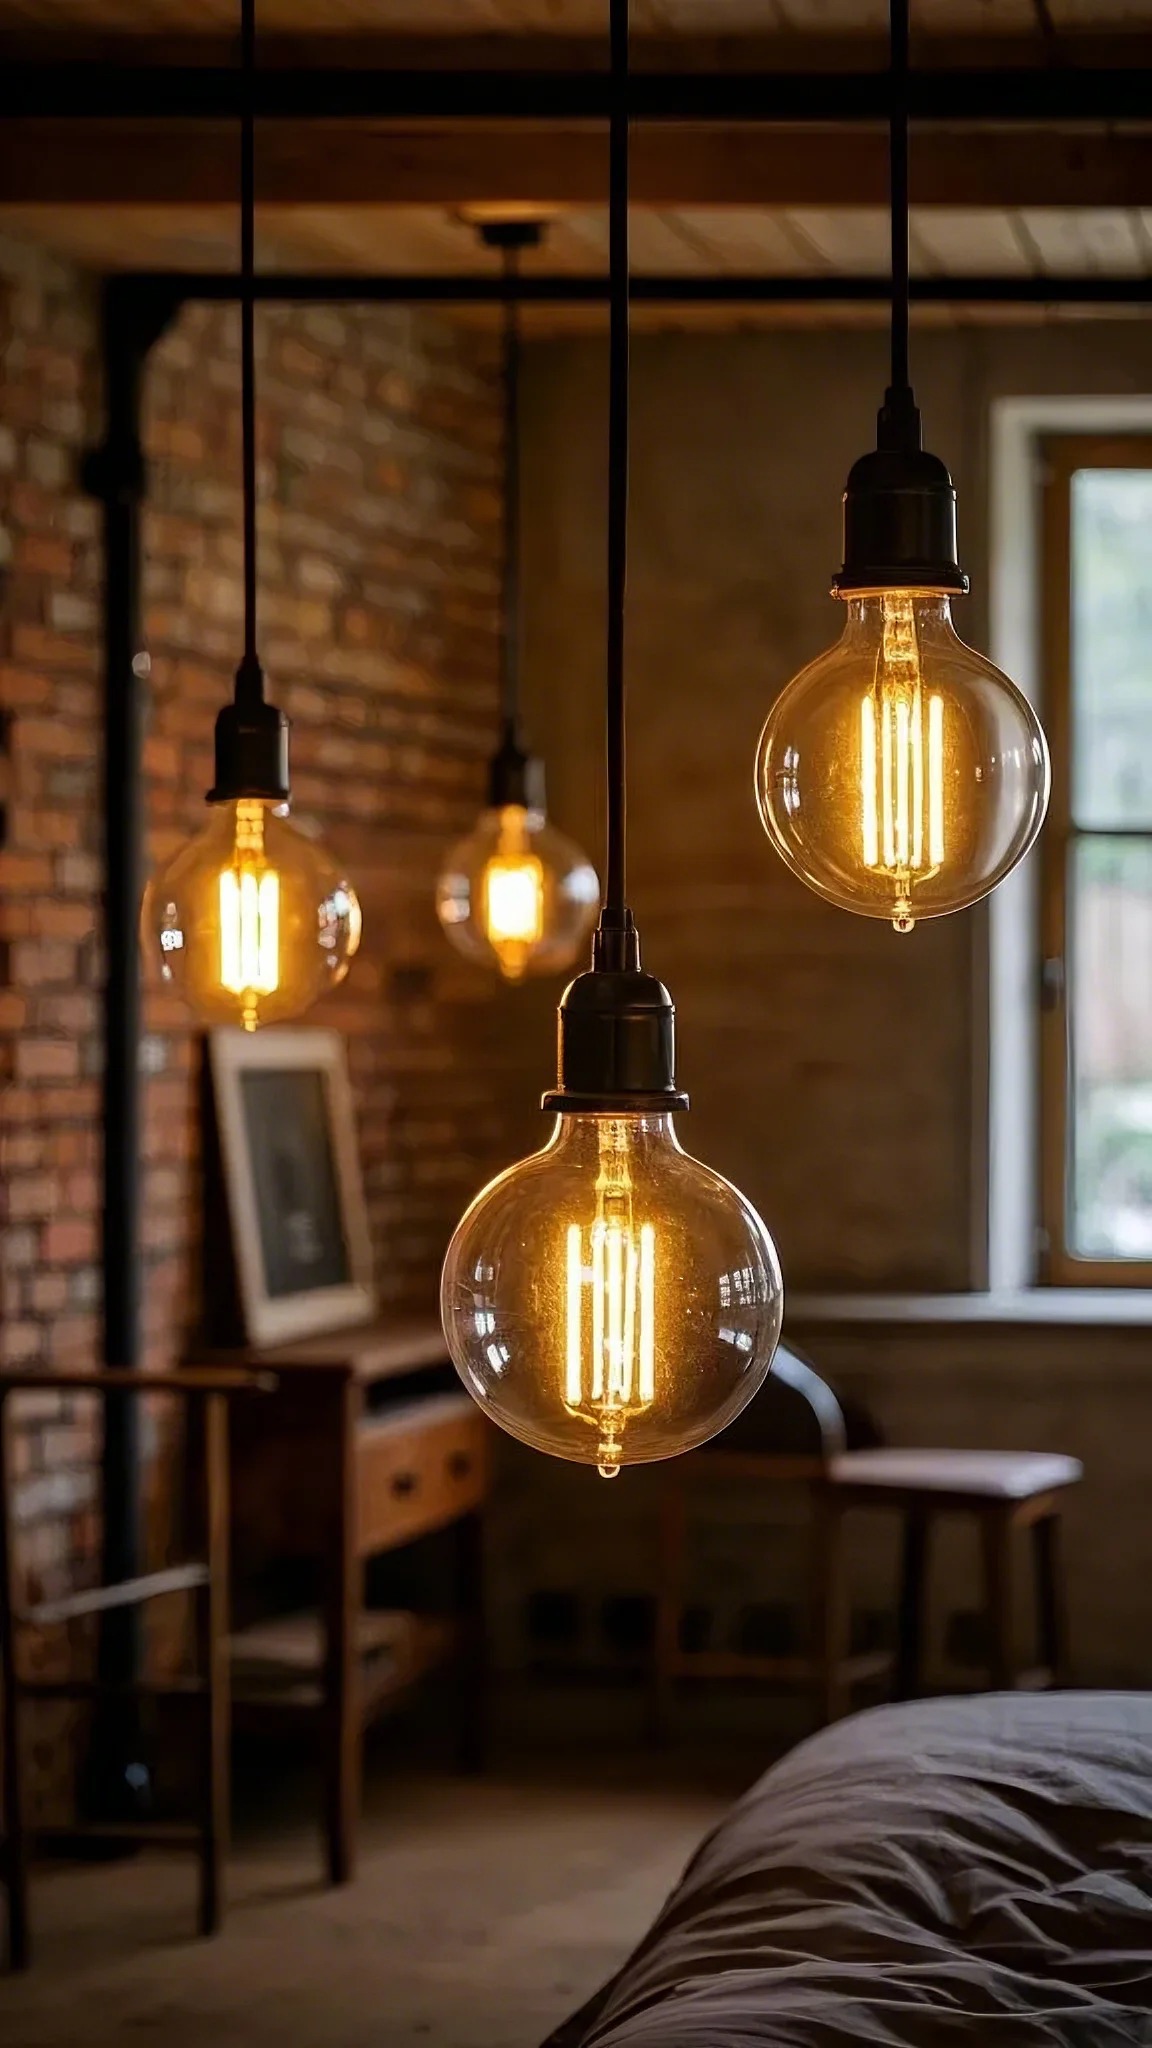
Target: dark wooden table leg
(343, 1735)
(996, 1545)
(1051, 1603)
(15, 1835)
(833, 1617)
(471, 1660)
(911, 1612)
(672, 1541)
(215, 1668)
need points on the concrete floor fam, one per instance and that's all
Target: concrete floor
(484, 1912)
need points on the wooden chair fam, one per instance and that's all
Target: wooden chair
(791, 1436)
(1005, 1491)
(206, 1579)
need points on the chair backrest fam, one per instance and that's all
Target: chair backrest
(794, 1415)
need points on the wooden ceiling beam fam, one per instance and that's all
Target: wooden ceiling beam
(691, 55)
(175, 163)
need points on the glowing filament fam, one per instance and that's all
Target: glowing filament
(249, 902)
(610, 1342)
(513, 892)
(901, 766)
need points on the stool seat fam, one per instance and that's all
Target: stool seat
(965, 1475)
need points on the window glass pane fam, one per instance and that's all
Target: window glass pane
(1112, 647)
(1110, 1053)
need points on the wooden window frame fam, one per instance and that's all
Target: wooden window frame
(1062, 455)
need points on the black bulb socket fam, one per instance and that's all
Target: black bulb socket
(515, 776)
(616, 1037)
(900, 513)
(251, 746)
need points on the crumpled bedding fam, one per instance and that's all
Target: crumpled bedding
(971, 1870)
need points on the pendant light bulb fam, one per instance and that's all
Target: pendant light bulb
(515, 894)
(901, 775)
(252, 920)
(611, 1300)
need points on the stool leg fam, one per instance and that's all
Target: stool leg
(996, 1545)
(1052, 1612)
(911, 1612)
(669, 1600)
(832, 1610)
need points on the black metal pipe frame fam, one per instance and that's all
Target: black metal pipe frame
(80, 91)
(135, 313)
(494, 289)
(137, 309)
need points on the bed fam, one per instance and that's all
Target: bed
(974, 1870)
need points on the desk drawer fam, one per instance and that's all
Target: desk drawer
(416, 1471)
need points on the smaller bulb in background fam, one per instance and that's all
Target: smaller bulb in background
(251, 920)
(517, 895)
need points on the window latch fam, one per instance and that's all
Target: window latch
(1052, 982)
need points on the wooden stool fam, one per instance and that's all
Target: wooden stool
(206, 1579)
(1006, 1491)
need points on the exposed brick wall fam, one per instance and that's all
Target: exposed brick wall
(380, 472)
(379, 463)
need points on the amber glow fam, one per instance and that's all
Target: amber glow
(249, 917)
(901, 765)
(610, 1306)
(513, 894)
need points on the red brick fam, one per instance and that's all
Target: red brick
(70, 1241)
(47, 1059)
(39, 555)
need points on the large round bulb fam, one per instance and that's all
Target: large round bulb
(901, 774)
(610, 1300)
(252, 920)
(517, 895)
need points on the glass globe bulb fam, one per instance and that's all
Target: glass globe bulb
(610, 1300)
(252, 920)
(517, 895)
(901, 775)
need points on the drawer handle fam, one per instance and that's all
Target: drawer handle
(404, 1483)
(460, 1464)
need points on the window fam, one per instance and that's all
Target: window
(1096, 1037)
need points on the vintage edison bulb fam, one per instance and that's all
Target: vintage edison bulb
(252, 920)
(901, 774)
(611, 1300)
(517, 895)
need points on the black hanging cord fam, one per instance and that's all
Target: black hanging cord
(615, 911)
(898, 427)
(898, 159)
(510, 621)
(250, 666)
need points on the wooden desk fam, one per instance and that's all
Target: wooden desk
(338, 1470)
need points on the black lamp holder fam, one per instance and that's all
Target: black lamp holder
(899, 504)
(251, 734)
(616, 1051)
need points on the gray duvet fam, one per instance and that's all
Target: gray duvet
(974, 1871)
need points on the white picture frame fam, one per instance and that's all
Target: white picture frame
(291, 1167)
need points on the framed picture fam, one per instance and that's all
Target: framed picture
(292, 1175)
